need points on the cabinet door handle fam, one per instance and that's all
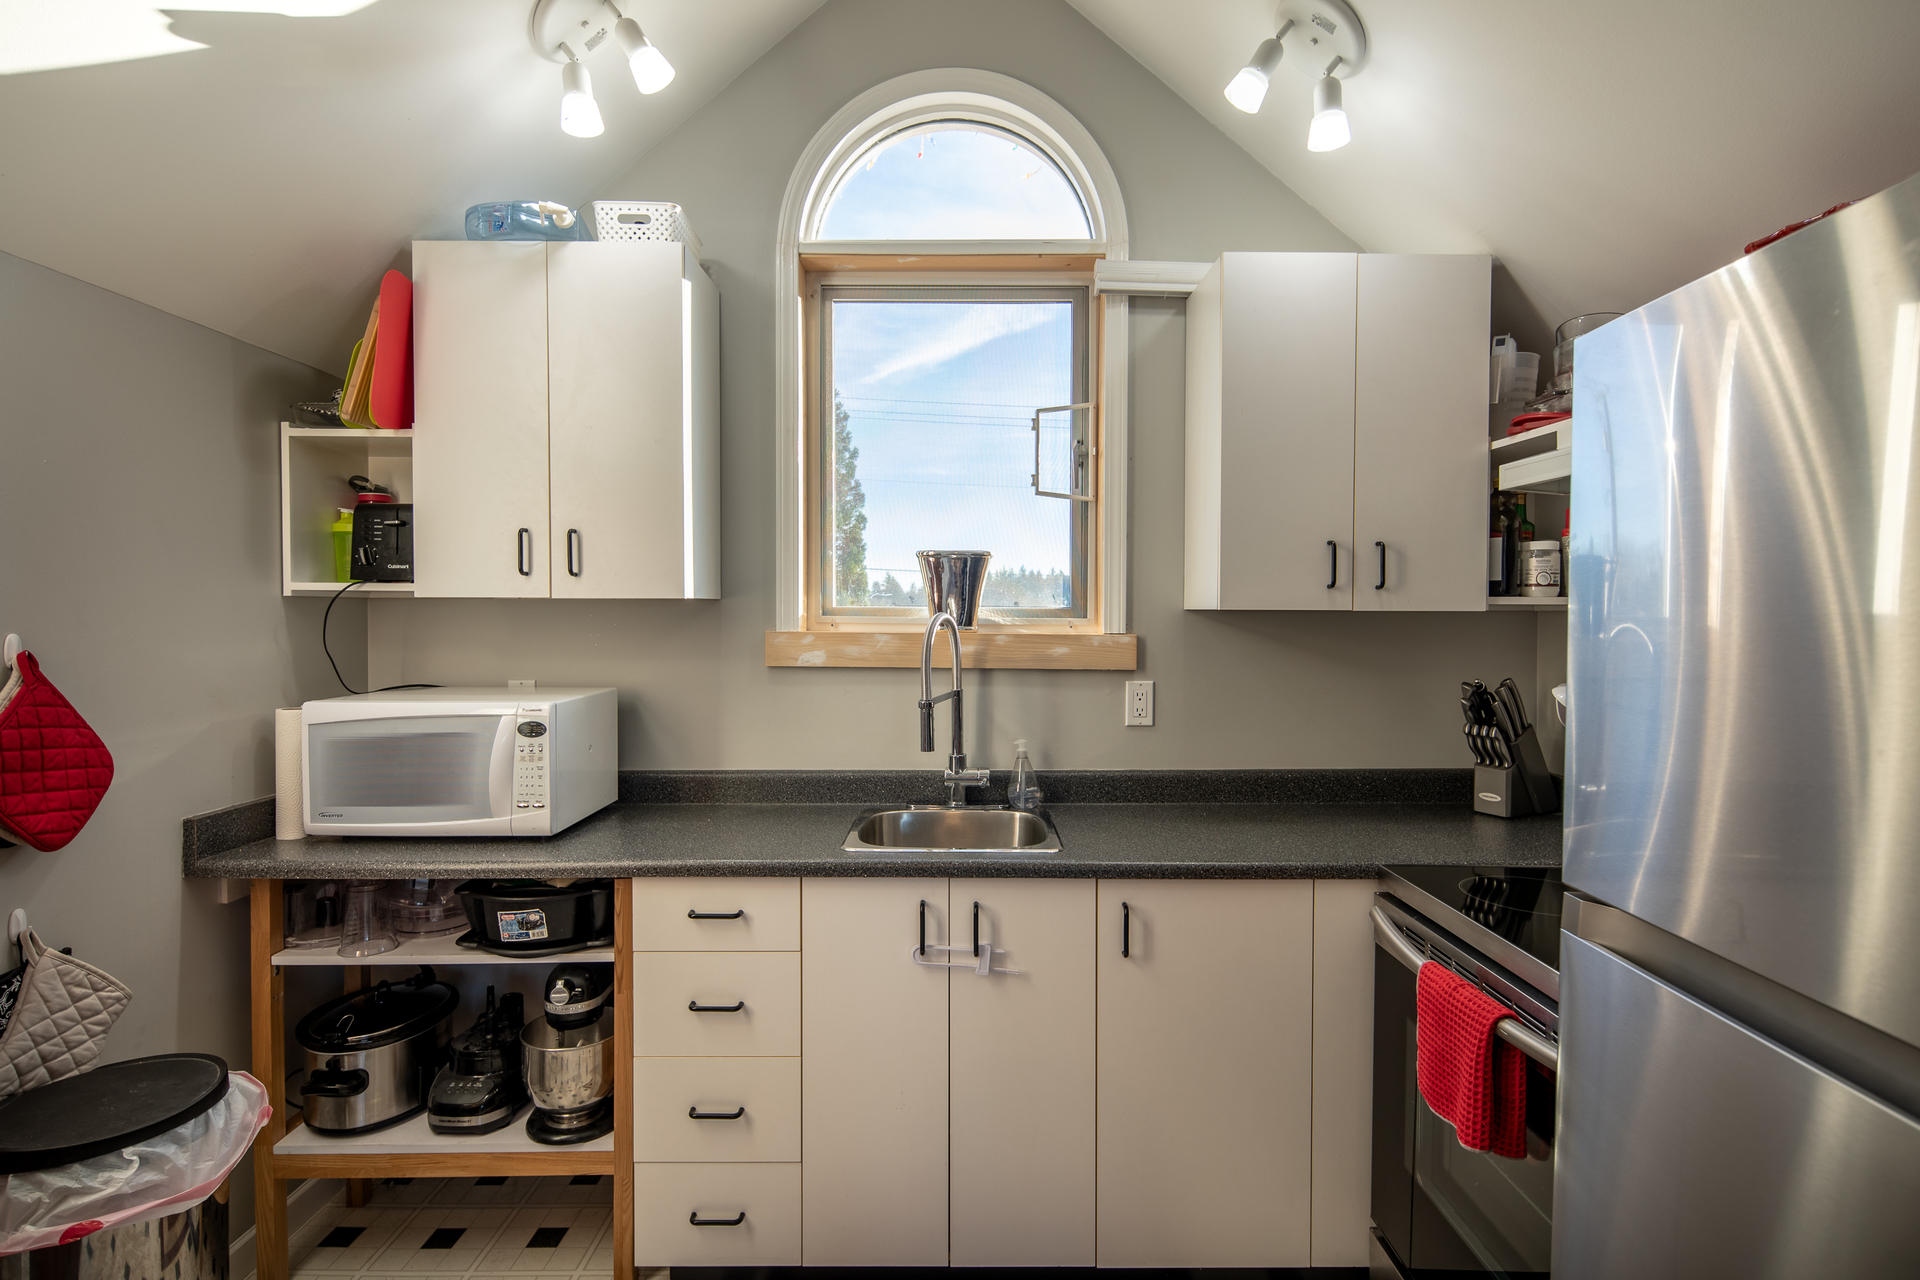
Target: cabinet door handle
(693, 914)
(524, 547)
(976, 931)
(923, 927)
(573, 553)
(1333, 565)
(1126, 931)
(695, 1113)
(734, 1221)
(1382, 584)
(735, 1007)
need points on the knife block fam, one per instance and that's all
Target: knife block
(1524, 789)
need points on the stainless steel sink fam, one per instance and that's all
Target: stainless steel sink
(933, 829)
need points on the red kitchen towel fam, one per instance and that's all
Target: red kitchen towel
(53, 767)
(1473, 1080)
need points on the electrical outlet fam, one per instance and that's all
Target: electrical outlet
(1139, 703)
(520, 684)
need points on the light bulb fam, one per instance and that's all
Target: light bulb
(1329, 130)
(579, 113)
(651, 70)
(1248, 89)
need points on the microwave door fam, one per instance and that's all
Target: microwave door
(410, 774)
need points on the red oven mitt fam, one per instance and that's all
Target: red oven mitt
(53, 767)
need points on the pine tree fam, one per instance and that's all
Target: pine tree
(849, 514)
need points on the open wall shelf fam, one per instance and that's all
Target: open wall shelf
(314, 465)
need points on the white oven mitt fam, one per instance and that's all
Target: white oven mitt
(60, 1020)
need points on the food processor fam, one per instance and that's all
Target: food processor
(481, 1087)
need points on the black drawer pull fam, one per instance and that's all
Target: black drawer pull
(1126, 931)
(735, 1007)
(734, 1221)
(1382, 584)
(523, 547)
(976, 930)
(1333, 564)
(923, 927)
(695, 1113)
(716, 915)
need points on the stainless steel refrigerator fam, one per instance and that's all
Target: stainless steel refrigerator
(1740, 973)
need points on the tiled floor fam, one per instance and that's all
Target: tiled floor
(475, 1228)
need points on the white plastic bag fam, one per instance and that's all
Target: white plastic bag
(163, 1175)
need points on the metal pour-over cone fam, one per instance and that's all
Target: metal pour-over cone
(954, 581)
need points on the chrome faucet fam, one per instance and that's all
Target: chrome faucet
(957, 776)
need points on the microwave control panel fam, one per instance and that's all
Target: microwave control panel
(530, 764)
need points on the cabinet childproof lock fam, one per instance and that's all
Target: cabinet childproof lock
(981, 953)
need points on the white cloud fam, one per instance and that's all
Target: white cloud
(970, 330)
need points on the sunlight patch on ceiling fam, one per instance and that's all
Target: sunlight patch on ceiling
(47, 35)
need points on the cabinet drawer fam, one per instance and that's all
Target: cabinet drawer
(666, 1196)
(766, 986)
(691, 913)
(766, 1089)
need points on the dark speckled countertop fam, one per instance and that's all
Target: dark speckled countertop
(1224, 824)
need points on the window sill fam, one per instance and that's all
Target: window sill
(1032, 651)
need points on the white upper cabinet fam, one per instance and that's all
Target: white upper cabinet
(567, 421)
(480, 418)
(1420, 431)
(1336, 423)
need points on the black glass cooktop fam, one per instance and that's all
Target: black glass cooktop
(1519, 904)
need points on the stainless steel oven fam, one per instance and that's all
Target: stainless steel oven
(1440, 1209)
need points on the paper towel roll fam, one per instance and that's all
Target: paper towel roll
(289, 797)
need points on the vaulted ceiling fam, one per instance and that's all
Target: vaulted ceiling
(260, 185)
(1605, 151)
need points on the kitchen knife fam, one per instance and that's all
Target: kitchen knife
(1511, 692)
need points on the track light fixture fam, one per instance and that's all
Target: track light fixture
(568, 31)
(1329, 130)
(651, 70)
(579, 113)
(1322, 39)
(1248, 89)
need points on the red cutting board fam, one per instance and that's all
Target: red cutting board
(391, 397)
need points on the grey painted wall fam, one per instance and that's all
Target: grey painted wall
(139, 560)
(1233, 690)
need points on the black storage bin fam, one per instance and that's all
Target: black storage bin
(531, 918)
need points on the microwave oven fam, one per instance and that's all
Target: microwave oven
(458, 762)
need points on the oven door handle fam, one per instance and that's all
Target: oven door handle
(1512, 1030)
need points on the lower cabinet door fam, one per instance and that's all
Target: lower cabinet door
(874, 1075)
(1022, 1129)
(708, 1109)
(716, 1215)
(1206, 1073)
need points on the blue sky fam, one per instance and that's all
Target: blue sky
(942, 394)
(941, 397)
(948, 182)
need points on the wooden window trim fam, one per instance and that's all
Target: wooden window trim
(852, 641)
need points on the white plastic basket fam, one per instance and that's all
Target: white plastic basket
(643, 220)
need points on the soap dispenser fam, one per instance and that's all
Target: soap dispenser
(1023, 792)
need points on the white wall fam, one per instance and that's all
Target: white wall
(139, 560)
(1233, 690)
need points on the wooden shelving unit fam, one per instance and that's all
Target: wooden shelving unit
(285, 1150)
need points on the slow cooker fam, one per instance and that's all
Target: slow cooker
(371, 1055)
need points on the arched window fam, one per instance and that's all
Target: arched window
(954, 180)
(941, 234)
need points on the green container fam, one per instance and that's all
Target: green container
(343, 545)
